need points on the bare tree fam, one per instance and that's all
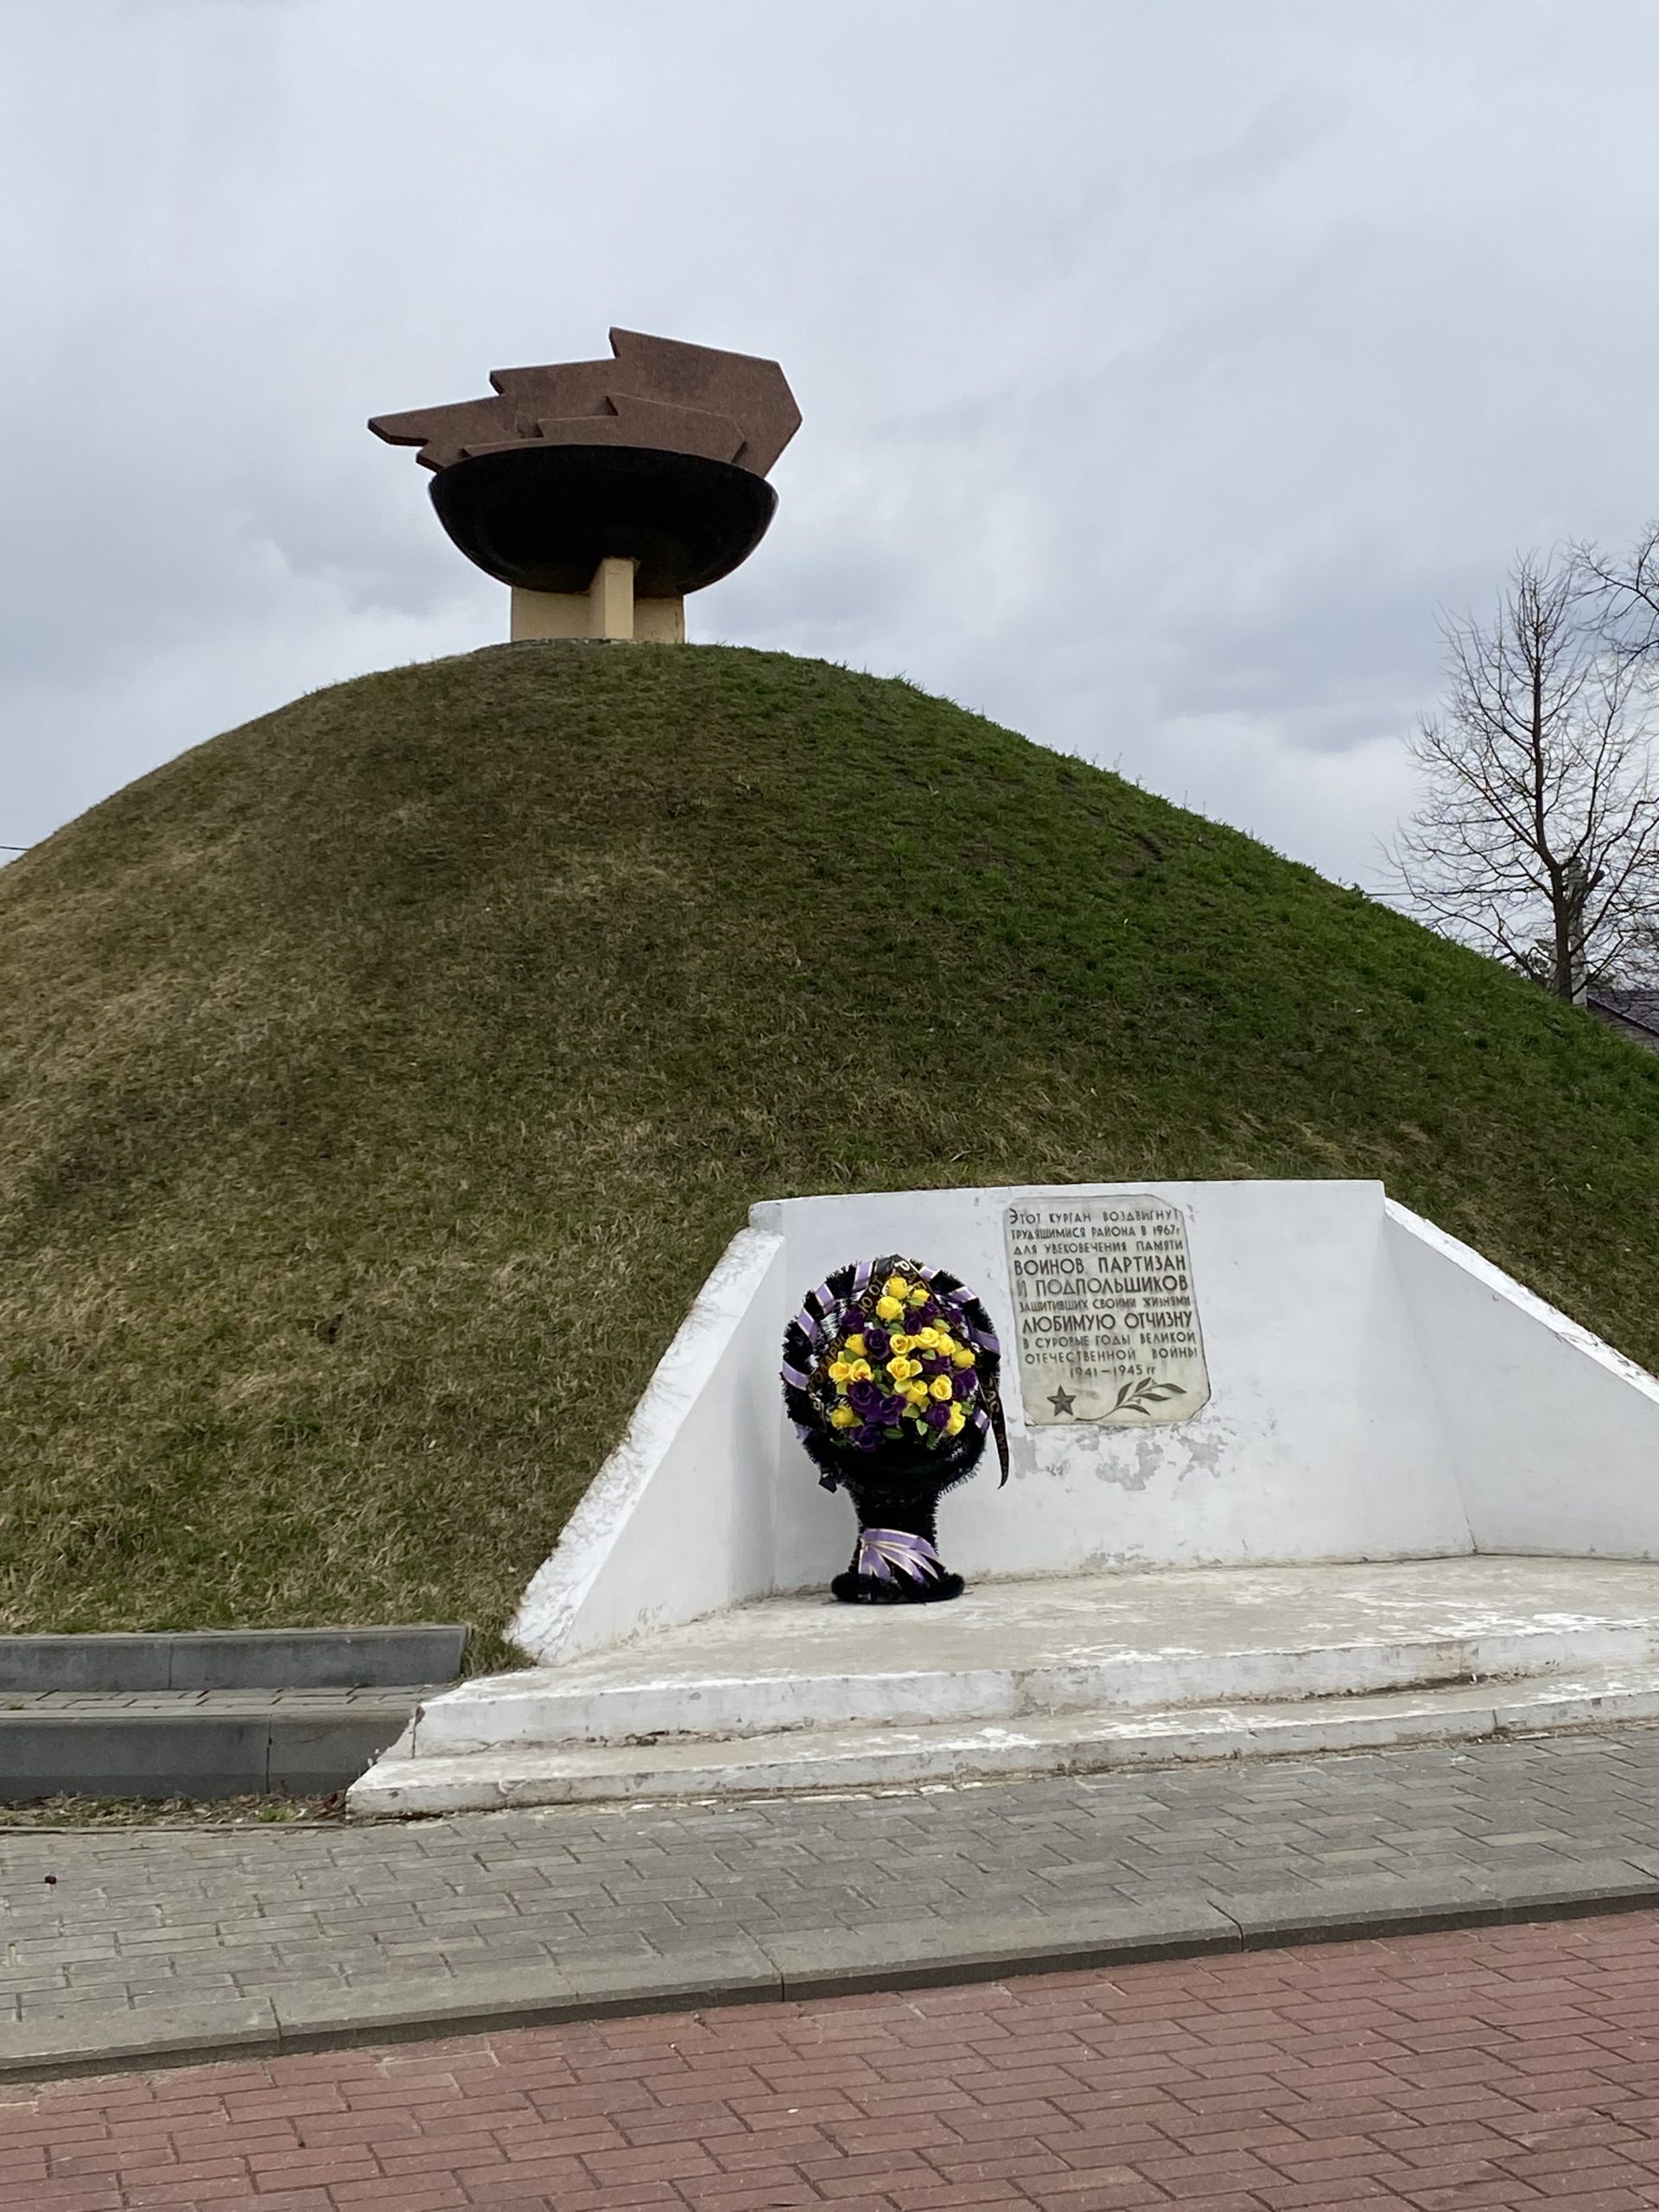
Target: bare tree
(1626, 592)
(1538, 836)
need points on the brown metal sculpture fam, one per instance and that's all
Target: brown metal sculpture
(657, 458)
(656, 391)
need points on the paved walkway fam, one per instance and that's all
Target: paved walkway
(126, 1947)
(1501, 2068)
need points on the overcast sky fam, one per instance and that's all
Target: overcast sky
(1164, 366)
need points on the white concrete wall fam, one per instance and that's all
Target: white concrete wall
(1320, 1440)
(679, 1520)
(1377, 1391)
(1554, 1436)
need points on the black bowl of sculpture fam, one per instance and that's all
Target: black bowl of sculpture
(890, 1377)
(544, 517)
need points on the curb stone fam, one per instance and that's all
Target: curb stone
(832, 1962)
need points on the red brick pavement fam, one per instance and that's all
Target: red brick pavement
(1491, 2068)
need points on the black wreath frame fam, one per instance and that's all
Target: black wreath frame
(940, 1467)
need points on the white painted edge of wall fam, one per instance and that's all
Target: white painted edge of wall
(1570, 1332)
(1556, 1448)
(679, 1433)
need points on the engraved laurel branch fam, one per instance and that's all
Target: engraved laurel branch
(1141, 1393)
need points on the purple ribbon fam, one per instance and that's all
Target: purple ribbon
(882, 1550)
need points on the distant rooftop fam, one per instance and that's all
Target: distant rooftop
(1634, 1013)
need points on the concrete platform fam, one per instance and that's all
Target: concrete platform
(1048, 1675)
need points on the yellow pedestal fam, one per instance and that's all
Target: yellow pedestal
(606, 609)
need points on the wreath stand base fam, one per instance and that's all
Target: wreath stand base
(895, 1561)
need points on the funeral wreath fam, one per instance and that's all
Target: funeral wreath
(890, 1377)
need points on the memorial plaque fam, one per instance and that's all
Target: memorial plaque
(1106, 1326)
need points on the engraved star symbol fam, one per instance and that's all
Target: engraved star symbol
(1062, 1401)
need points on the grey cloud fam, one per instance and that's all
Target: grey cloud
(1163, 369)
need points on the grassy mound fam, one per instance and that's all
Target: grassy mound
(381, 1079)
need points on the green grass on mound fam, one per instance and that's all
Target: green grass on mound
(381, 1080)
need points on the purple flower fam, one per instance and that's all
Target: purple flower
(868, 1438)
(877, 1343)
(938, 1414)
(925, 1315)
(965, 1382)
(865, 1398)
(892, 1409)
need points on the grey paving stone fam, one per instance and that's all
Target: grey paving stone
(620, 1904)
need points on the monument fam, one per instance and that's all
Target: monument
(1291, 1470)
(1287, 1467)
(603, 492)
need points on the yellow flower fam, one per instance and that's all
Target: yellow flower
(860, 1371)
(855, 1345)
(918, 1296)
(900, 1343)
(962, 1357)
(843, 1417)
(928, 1339)
(888, 1309)
(840, 1371)
(901, 1369)
(956, 1423)
(940, 1386)
(917, 1393)
(896, 1287)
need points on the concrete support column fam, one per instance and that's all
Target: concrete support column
(611, 594)
(606, 609)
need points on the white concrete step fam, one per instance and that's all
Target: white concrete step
(894, 1756)
(1011, 1649)
(1045, 1675)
